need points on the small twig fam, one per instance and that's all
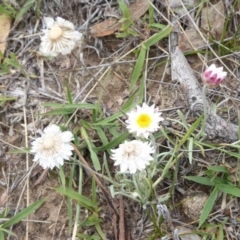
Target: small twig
(121, 220)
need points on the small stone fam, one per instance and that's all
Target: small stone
(193, 205)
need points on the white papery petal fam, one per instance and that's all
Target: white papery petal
(48, 21)
(153, 114)
(67, 136)
(65, 43)
(132, 156)
(53, 147)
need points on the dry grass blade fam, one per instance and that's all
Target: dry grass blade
(3, 198)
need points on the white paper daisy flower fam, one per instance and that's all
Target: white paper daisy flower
(59, 37)
(144, 120)
(53, 147)
(134, 155)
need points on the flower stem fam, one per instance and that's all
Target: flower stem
(205, 113)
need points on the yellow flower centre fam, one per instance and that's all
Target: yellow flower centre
(48, 143)
(55, 33)
(144, 120)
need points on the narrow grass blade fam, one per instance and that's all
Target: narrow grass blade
(201, 180)
(72, 105)
(157, 25)
(183, 121)
(141, 89)
(62, 176)
(188, 133)
(58, 112)
(94, 192)
(100, 232)
(23, 214)
(158, 36)
(221, 233)
(82, 200)
(69, 95)
(229, 189)
(222, 169)
(94, 156)
(2, 231)
(138, 67)
(208, 206)
(113, 143)
(7, 9)
(124, 9)
(131, 101)
(28, 4)
(102, 136)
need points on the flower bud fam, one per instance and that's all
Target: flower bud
(213, 76)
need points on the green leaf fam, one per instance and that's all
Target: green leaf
(201, 180)
(222, 169)
(91, 221)
(183, 120)
(188, 133)
(221, 232)
(138, 67)
(4, 69)
(130, 102)
(86, 124)
(102, 136)
(13, 63)
(23, 214)
(100, 232)
(94, 192)
(82, 200)
(208, 206)
(7, 9)
(69, 94)
(73, 106)
(124, 9)
(229, 189)
(157, 25)
(22, 150)
(2, 231)
(28, 4)
(94, 156)
(4, 99)
(62, 176)
(113, 143)
(58, 112)
(158, 36)
(122, 35)
(1, 234)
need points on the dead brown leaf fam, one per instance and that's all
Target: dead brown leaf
(212, 22)
(191, 37)
(213, 19)
(5, 26)
(111, 25)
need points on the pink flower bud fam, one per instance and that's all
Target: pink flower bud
(213, 76)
